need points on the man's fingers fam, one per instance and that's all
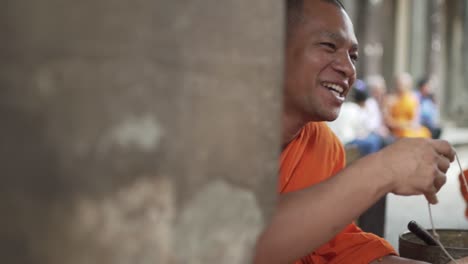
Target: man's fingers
(431, 196)
(439, 181)
(444, 148)
(443, 163)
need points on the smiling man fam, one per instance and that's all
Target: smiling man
(319, 198)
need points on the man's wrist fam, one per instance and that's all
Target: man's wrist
(382, 178)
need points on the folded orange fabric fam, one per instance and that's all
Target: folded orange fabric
(463, 189)
(313, 156)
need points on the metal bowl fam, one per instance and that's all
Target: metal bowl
(454, 240)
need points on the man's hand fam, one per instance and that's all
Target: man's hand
(417, 166)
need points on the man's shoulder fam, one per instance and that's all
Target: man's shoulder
(320, 131)
(318, 127)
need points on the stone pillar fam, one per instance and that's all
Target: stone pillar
(457, 94)
(438, 56)
(138, 131)
(389, 54)
(464, 87)
(372, 27)
(403, 10)
(420, 41)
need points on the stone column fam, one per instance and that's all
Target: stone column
(402, 34)
(389, 54)
(420, 40)
(464, 87)
(372, 29)
(438, 56)
(457, 92)
(138, 131)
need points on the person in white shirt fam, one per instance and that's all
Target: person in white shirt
(375, 106)
(367, 137)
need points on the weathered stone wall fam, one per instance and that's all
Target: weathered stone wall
(137, 131)
(456, 90)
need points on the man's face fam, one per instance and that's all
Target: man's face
(320, 55)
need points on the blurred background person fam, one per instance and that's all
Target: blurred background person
(428, 109)
(402, 114)
(367, 139)
(360, 122)
(375, 105)
(348, 123)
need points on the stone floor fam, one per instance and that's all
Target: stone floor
(448, 213)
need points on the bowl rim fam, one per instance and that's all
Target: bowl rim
(400, 237)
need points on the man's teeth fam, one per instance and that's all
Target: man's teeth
(336, 93)
(334, 87)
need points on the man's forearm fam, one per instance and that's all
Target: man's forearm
(308, 218)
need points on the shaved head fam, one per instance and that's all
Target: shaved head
(294, 9)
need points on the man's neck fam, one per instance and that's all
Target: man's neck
(292, 125)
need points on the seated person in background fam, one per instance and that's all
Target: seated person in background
(429, 111)
(402, 116)
(346, 126)
(368, 139)
(375, 105)
(360, 122)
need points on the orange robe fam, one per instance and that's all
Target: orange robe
(463, 189)
(313, 156)
(404, 111)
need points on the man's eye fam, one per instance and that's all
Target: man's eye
(354, 57)
(329, 45)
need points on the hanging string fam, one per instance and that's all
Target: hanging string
(434, 233)
(437, 237)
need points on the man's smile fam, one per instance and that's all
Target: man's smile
(337, 89)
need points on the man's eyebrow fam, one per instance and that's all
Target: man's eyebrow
(332, 35)
(337, 37)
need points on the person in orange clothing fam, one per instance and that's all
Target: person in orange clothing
(463, 188)
(313, 222)
(403, 113)
(316, 149)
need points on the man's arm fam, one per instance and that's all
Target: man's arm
(306, 219)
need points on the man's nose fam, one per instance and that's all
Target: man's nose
(344, 64)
